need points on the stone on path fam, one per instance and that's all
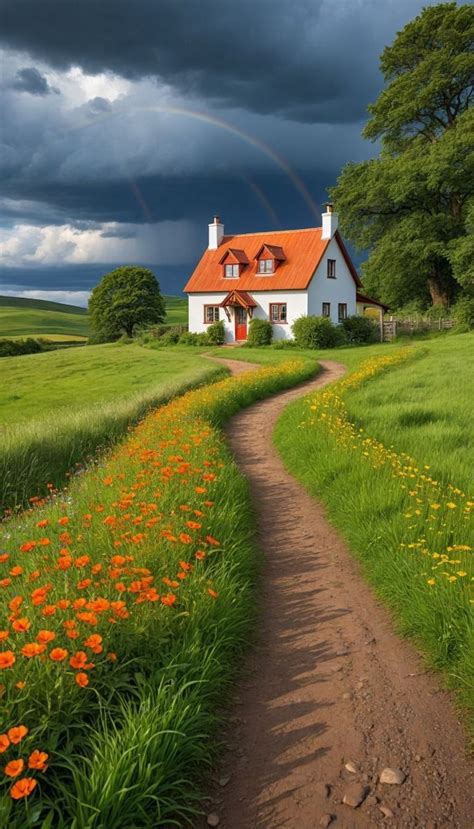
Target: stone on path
(386, 811)
(325, 820)
(354, 795)
(392, 776)
(213, 819)
(352, 767)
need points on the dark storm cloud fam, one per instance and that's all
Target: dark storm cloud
(303, 60)
(30, 80)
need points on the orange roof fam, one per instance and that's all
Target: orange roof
(303, 250)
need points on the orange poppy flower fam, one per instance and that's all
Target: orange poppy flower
(185, 538)
(58, 654)
(78, 660)
(4, 557)
(38, 760)
(27, 546)
(93, 641)
(169, 599)
(63, 521)
(63, 604)
(4, 634)
(211, 540)
(49, 610)
(200, 555)
(44, 542)
(16, 734)
(7, 659)
(21, 625)
(64, 562)
(14, 768)
(5, 582)
(212, 593)
(84, 584)
(32, 649)
(45, 636)
(23, 788)
(4, 743)
(72, 634)
(82, 679)
(112, 657)
(43, 523)
(82, 561)
(16, 571)
(20, 685)
(16, 603)
(88, 618)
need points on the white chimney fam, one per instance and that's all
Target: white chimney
(216, 233)
(330, 222)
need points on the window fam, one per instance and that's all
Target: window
(342, 311)
(278, 312)
(211, 314)
(331, 268)
(265, 266)
(326, 309)
(231, 271)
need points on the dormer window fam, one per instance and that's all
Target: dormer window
(233, 261)
(231, 271)
(269, 258)
(266, 265)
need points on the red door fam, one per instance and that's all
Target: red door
(240, 323)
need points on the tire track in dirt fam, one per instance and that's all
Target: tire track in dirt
(328, 680)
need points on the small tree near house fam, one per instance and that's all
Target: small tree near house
(125, 298)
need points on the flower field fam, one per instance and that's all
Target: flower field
(411, 530)
(125, 604)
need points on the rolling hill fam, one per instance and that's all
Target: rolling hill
(21, 317)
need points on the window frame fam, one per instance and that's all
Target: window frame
(343, 305)
(215, 308)
(266, 271)
(331, 269)
(278, 305)
(328, 306)
(235, 267)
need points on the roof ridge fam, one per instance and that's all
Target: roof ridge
(269, 232)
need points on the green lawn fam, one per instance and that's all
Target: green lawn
(21, 317)
(36, 385)
(391, 455)
(58, 408)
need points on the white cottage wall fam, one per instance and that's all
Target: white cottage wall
(296, 303)
(342, 289)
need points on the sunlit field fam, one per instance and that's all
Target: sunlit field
(125, 607)
(58, 408)
(371, 447)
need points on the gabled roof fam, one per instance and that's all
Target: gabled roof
(274, 250)
(239, 298)
(303, 251)
(237, 254)
(368, 300)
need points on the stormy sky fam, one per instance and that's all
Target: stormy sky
(126, 125)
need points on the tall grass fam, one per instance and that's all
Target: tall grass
(410, 528)
(45, 452)
(152, 554)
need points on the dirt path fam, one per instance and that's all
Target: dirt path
(328, 681)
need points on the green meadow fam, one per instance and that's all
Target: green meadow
(59, 408)
(391, 456)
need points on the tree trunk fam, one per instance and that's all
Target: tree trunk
(438, 293)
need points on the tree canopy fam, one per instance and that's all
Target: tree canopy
(413, 205)
(125, 298)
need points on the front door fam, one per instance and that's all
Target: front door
(240, 323)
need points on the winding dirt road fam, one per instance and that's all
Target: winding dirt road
(328, 682)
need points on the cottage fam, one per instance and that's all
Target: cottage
(275, 275)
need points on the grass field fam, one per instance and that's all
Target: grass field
(125, 608)
(58, 408)
(52, 320)
(390, 452)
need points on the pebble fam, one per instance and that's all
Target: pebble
(350, 766)
(346, 696)
(223, 781)
(372, 800)
(325, 820)
(323, 789)
(213, 819)
(392, 776)
(354, 795)
(386, 811)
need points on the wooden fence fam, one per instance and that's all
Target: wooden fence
(393, 328)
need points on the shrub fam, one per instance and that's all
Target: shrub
(316, 332)
(14, 348)
(360, 330)
(260, 332)
(280, 345)
(188, 338)
(216, 333)
(170, 338)
(463, 312)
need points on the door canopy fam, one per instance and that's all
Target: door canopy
(240, 299)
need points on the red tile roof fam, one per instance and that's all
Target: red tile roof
(239, 298)
(303, 251)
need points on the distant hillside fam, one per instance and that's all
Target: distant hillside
(21, 317)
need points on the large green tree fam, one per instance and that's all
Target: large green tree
(411, 207)
(125, 298)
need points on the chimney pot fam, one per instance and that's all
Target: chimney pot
(330, 222)
(216, 233)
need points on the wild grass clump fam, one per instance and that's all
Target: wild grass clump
(39, 457)
(125, 607)
(410, 527)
